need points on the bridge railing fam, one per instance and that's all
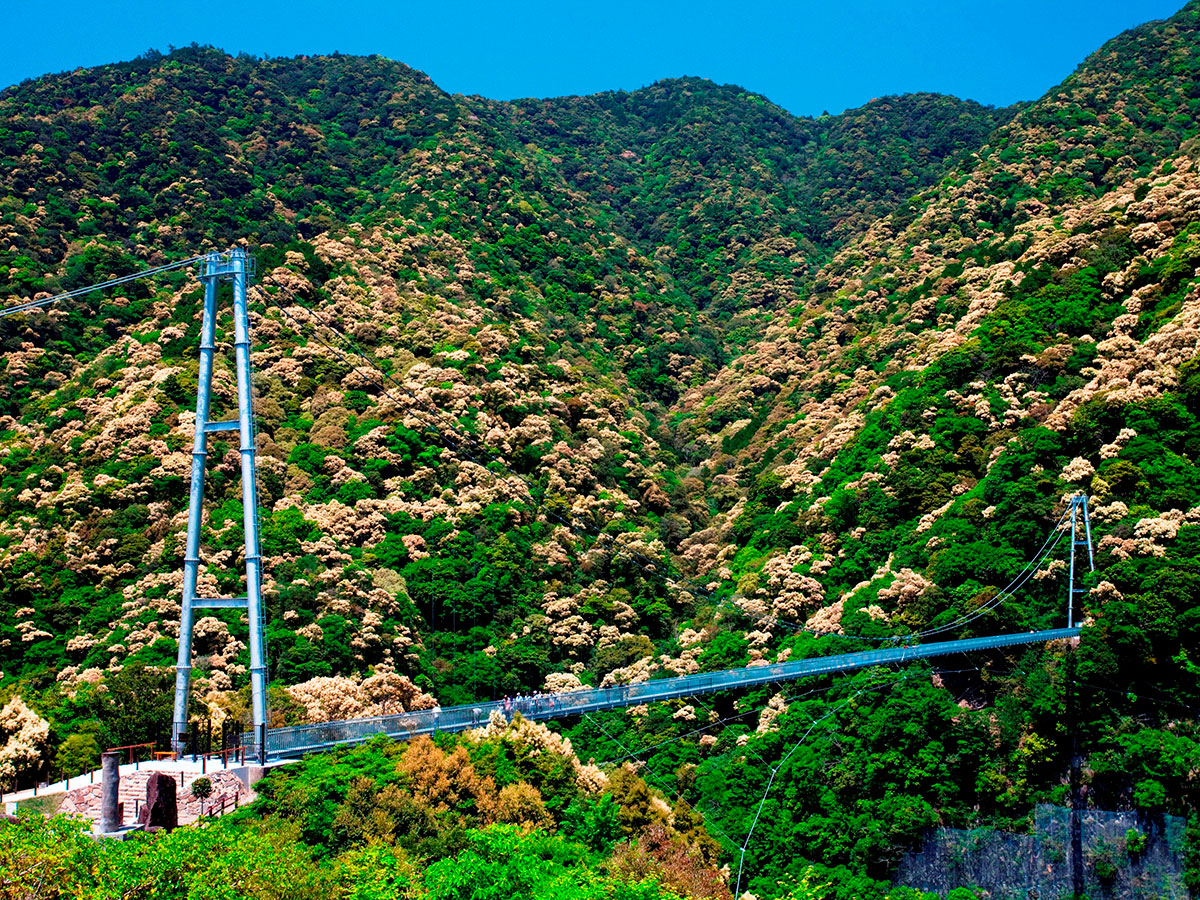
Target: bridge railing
(292, 741)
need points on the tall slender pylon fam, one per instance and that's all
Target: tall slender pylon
(1079, 518)
(234, 265)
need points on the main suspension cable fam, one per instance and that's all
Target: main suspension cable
(103, 285)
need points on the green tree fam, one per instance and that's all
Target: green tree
(202, 788)
(77, 754)
(596, 823)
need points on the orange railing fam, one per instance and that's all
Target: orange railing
(132, 748)
(218, 805)
(235, 753)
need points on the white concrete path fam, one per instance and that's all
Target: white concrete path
(187, 766)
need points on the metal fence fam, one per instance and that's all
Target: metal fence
(299, 739)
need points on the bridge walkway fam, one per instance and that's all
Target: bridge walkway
(296, 740)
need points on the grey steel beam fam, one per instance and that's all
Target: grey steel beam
(220, 603)
(191, 558)
(258, 653)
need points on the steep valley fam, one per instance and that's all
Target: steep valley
(593, 390)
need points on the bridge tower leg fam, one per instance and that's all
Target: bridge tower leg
(1079, 522)
(235, 266)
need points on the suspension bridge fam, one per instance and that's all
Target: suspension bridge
(300, 739)
(236, 266)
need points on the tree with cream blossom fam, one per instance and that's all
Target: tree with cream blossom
(24, 739)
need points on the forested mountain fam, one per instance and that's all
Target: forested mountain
(652, 383)
(726, 186)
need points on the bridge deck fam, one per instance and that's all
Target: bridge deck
(296, 740)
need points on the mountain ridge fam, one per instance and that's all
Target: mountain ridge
(754, 378)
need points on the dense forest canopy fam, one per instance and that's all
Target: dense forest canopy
(628, 385)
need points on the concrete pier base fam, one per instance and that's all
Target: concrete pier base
(110, 806)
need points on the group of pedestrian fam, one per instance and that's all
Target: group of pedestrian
(533, 703)
(527, 704)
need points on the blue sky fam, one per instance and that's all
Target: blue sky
(806, 55)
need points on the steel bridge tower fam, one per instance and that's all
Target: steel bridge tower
(234, 265)
(1079, 521)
